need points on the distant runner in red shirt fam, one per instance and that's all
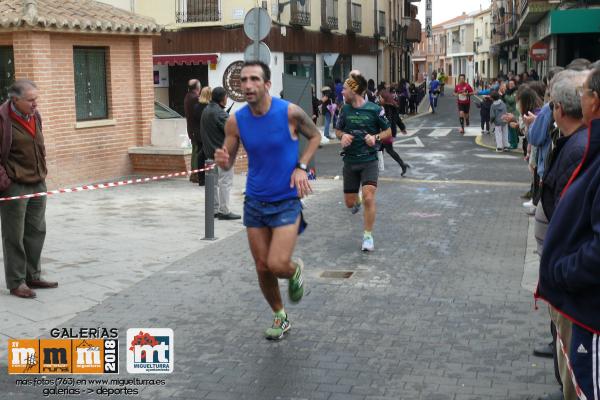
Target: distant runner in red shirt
(464, 91)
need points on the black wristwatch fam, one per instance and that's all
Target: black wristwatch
(303, 167)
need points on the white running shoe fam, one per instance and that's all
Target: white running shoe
(528, 204)
(368, 244)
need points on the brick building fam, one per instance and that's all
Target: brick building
(93, 66)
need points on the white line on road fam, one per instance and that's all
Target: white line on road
(498, 156)
(439, 132)
(472, 132)
(409, 142)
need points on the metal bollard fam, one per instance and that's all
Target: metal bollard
(209, 200)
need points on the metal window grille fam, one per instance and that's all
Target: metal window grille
(90, 83)
(197, 11)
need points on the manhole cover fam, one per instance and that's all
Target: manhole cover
(337, 274)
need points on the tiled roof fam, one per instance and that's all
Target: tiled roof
(455, 19)
(73, 15)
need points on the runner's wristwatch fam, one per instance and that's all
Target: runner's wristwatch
(302, 166)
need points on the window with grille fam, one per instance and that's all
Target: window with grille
(7, 71)
(356, 17)
(381, 23)
(90, 83)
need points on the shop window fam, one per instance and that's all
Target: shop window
(90, 83)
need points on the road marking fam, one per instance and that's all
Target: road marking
(409, 142)
(439, 132)
(498, 156)
(456, 182)
(472, 132)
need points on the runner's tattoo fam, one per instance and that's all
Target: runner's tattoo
(305, 126)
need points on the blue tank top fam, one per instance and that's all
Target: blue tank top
(272, 152)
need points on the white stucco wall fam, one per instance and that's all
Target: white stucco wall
(215, 77)
(367, 65)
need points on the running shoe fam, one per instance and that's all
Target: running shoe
(356, 207)
(279, 328)
(296, 282)
(368, 244)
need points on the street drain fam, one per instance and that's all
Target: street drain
(337, 274)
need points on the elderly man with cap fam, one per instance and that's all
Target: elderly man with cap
(22, 171)
(212, 129)
(361, 127)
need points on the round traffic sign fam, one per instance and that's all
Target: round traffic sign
(257, 23)
(258, 51)
(539, 51)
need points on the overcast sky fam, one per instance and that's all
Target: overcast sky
(444, 10)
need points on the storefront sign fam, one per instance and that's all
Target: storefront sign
(539, 51)
(231, 81)
(428, 17)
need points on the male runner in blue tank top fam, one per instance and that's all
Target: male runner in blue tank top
(361, 127)
(268, 128)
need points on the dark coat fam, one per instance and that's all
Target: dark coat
(485, 107)
(570, 264)
(212, 128)
(566, 156)
(393, 115)
(6, 136)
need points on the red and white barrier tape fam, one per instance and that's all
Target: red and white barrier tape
(109, 184)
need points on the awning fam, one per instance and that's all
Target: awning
(185, 59)
(578, 20)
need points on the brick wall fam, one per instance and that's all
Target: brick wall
(80, 155)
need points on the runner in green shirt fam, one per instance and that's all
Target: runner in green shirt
(361, 126)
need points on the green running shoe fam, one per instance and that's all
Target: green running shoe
(296, 282)
(278, 329)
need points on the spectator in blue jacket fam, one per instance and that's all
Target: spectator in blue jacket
(570, 264)
(434, 91)
(540, 129)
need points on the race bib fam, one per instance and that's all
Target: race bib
(462, 97)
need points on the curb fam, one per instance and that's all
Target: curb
(479, 142)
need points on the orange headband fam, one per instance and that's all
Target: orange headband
(352, 84)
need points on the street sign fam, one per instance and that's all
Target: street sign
(428, 17)
(257, 24)
(539, 51)
(258, 51)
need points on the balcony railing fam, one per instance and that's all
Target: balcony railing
(197, 11)
(381, 31)
(413, 31)
(523, 6)
(332, 22)
(300, 18)
(300, 13)
(356, 26)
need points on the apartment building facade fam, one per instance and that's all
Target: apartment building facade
(485, 65)
(321, 40)
(460, 55)
(539, 34)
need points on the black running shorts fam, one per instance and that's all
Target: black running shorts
(464, 107)
(360, 174)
